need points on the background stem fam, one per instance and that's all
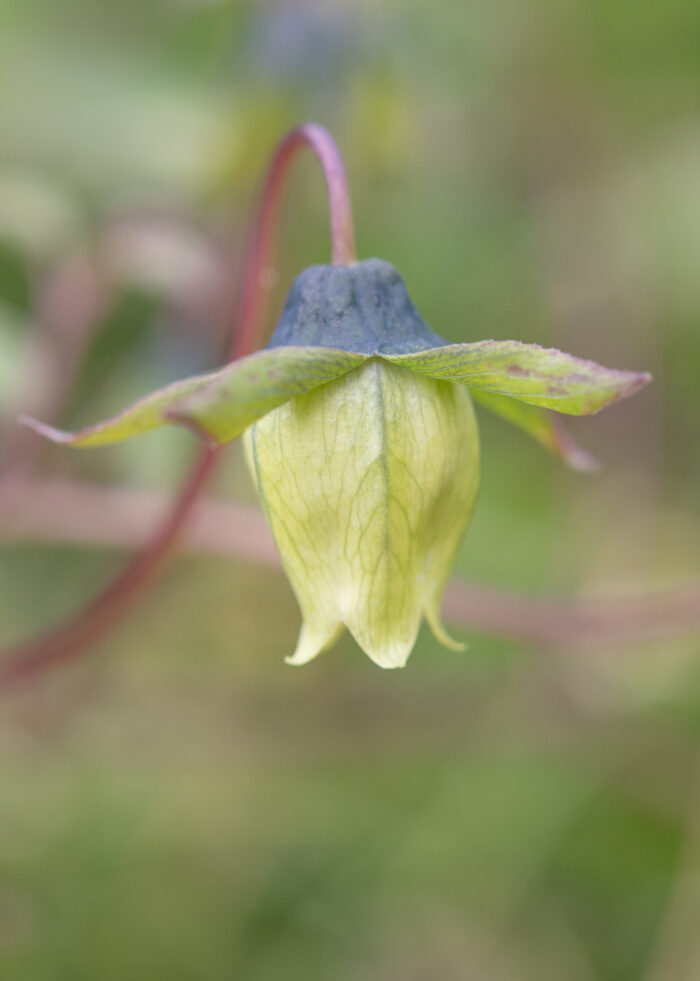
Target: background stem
(83, 514)
(103, 612)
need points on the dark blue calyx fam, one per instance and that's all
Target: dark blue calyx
(363, 308)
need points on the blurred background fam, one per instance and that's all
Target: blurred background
(180, 804)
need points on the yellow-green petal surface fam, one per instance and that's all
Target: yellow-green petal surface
(368, 484)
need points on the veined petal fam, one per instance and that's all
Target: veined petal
(321, 624)
(368, 484)
(314, 641)
(219, 405)
(534, 374)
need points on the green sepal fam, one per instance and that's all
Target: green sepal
(536, 375)
(220, 405)
(543, 426)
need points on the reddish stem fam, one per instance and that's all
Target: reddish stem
(261, 246)
(103, 612)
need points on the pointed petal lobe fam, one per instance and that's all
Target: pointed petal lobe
(534, 374)
(437, 627)
(313, 642)
(220, 405)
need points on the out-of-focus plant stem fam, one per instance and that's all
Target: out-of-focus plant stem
(104, 611)
(56, 511)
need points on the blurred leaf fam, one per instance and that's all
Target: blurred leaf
(15, 291)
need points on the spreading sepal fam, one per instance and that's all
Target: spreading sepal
(536, 375)
(220, 405)
(545, 427)
(361, 437)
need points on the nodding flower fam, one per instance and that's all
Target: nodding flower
(361, 437)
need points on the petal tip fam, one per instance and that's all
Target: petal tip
(386, 652)
(439, 632)
(296, 662)
(311, 643)
(570, 452)
(625, 384)
(48, 432)
(388, 661)
(645, 377)
(580, 460)
(638, 380)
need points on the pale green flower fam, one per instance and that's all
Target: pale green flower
(368, 484)
(361, 436)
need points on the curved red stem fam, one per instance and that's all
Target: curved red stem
(261, 246)
(104, 611)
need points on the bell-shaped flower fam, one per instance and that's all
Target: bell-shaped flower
(361, 437)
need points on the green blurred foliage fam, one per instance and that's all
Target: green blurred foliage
(183, 805)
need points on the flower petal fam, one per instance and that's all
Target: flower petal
(534, 374)
(313, 641)
(437, 627)
(220, 405)
(368, 484)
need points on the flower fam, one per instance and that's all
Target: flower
(361, 437)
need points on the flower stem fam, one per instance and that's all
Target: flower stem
(261, 246)
(96, 619)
